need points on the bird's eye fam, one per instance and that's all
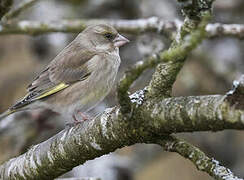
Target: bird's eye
(108, 36)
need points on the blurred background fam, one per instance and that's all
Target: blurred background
(210, 69)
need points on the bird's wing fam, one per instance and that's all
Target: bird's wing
(67, 68)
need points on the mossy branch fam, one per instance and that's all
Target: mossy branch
(162, 80)
(190, 36)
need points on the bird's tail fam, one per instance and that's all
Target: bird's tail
(6, 113)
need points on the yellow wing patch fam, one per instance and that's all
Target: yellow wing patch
(57, 88)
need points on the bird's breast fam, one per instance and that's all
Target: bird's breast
(101, 81)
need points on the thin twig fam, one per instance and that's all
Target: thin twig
(129, 77)
(5, 6)
(198, 158)
(135, 27)
(17, 10)
(219, 30)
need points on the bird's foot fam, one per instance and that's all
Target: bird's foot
(84, 117)
(74, 122)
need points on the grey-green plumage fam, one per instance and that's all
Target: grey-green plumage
(80, 76)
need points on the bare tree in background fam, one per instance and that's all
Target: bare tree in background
(150, 115)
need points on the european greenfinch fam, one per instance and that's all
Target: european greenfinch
(79, 77)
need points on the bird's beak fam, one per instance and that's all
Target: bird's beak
(120, 40)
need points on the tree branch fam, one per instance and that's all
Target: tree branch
(151, 119)
(5, 6)
(135, 27)
(199, 158)
(220, 30)
(165, 75)
(79, 178)
(17, 10)
(191, 34)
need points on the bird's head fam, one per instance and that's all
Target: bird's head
(104, 37)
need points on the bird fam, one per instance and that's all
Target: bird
(79, 77)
